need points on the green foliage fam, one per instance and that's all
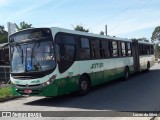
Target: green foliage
(23, 25)
(80, 28)
(156, 33)
(157, 51)
(5, 92)
(141, 39)
(3, 35)
(101, 33)
(3, 38)
(1, 28)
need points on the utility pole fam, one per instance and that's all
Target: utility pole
(106, 30)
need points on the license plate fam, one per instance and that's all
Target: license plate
(28, 91)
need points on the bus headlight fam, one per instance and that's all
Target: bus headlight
(49, 81)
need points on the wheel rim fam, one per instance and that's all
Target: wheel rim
(84, 85)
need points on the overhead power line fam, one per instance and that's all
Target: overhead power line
(135, 4)
(131, 15)
(115, 15)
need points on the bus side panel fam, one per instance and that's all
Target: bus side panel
(67, 85)
(141, 61)
(68, 81)
(144, 59)
(93, 68)
(106, 69)
(114, 68)
(121, 63)
(109, 69)
(152, 60)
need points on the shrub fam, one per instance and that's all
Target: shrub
(5, 92)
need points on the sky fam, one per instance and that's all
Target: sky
(124, 18)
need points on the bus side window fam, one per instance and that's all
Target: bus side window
(143, 52)
(140, 49)
(123, 49)
(128, 49)
(84, 48)
(110, 47)
(104, 51)
(65, 51)
(95, 48)
(151, 49)
(114, 49)
(148, 50)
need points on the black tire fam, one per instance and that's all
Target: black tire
(148, 67)
(83, 85)
(126, 73)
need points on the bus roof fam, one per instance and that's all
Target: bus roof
(56, 30)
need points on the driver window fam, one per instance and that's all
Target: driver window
(65, 50)
(44, 51)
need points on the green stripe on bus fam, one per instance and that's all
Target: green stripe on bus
(69, 84)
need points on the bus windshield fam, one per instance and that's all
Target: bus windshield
(32, 57)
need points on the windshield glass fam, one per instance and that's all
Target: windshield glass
(32, 57)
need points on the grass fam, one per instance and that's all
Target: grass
(5, 92)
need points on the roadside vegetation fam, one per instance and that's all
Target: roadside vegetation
(5, 91)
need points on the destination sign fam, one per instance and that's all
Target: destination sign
(30, 34)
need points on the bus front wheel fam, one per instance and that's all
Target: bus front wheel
(83, 85)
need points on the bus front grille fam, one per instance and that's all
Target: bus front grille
(32, 87)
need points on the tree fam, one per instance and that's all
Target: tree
(80, 28)
(156, 34)
(141, 39)
(23, 25)
(1, 28)
(3, 35)
(157, 51)
(101, 33)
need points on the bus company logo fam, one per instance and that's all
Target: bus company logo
(35, 81)
(6, 114)
(96, 65)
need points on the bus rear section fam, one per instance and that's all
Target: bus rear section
(143, 55)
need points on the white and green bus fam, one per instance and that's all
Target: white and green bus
(55, 61)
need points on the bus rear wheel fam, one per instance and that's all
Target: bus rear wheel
(148, 67)
(83, 85)
(126, 73)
